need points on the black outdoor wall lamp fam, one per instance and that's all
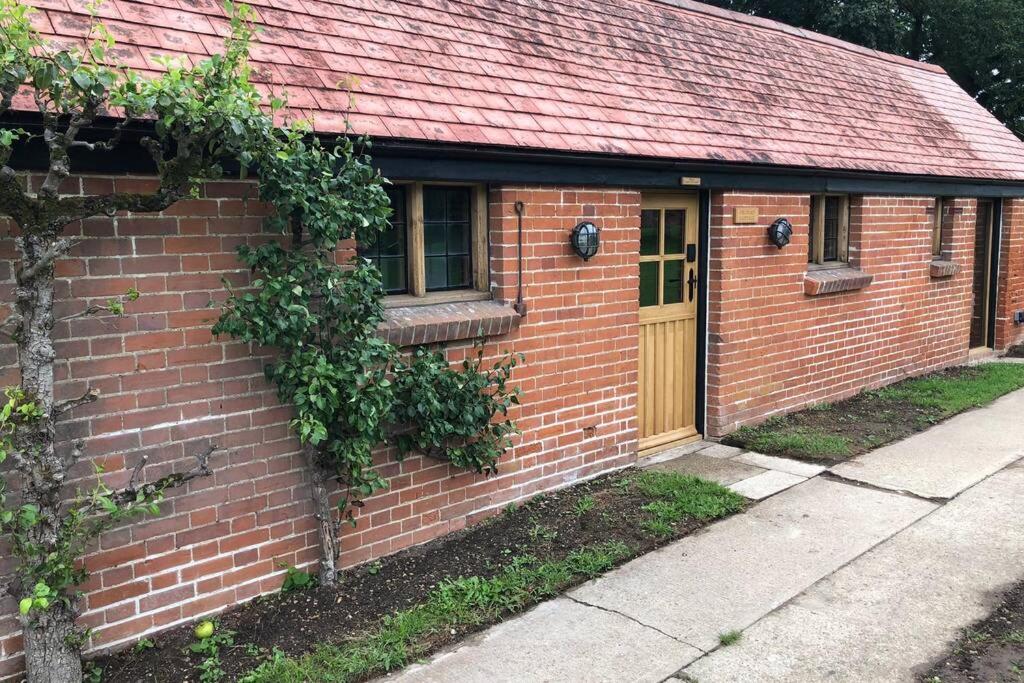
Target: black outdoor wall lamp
(780, 232)
(585, 239)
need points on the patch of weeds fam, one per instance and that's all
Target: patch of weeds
(91, 673)
(143, 645)
(973, 636)
(729, 638)
(209, 649)
(374, 568)
(510, 509)
(296, 579)
(779, 439)
(680, 496)
(584, 505)
(403, 636)
(539, 532)
(947, 395)
(1016, 636)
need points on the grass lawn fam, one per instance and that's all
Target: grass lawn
(390, 613)
(835, 432)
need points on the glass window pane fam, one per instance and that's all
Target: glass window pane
(434, 238)
(830, 228)
(433, 203)
(675, 231)
(650, 223)
(458, 238)
(393, 274)
(458, 204)
(673, 282)
(392, 242)
(458, 271)
(437, 275)
(396, 194)
(649, 283)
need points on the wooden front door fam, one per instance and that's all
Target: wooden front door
(669, 277)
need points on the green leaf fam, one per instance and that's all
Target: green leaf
(25, 606)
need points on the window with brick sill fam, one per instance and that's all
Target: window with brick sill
(436, 247)
(829, 242)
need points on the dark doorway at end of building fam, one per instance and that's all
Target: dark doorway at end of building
(986, 263)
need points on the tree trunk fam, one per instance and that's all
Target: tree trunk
(51, 655)
(51, 652)
(327, 527)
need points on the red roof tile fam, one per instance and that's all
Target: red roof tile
(662, 78)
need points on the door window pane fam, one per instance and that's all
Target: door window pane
(388, 251)
(650, 224)
(675, 231)
(447, 237)
(649, 283)
(673, 282)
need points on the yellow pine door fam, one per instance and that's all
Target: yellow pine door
(668, 320)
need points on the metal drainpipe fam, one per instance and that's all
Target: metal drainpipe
(519, 306)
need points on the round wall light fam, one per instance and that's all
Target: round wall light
(780, 232)
(585, 239)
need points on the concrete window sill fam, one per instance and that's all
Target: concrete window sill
(833, 280)
(445, 322)
(940, 269)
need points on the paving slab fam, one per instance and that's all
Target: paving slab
(737, 570)
(672, 453)
(560, 640)
(950, 457)
(721, 451)
(765, 484)
(724, 472)
(770, 462)
(890, 613)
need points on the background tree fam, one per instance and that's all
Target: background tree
(980, 43)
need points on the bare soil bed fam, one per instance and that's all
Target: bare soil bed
(990, 651)
(549, 527)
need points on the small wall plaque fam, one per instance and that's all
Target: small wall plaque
(689, 180)
(745, 215)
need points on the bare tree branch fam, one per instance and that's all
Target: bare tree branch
(130, 493)
(91, 310)
(88, 397)
(51, 254)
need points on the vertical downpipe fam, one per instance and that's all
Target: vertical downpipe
(519, 306)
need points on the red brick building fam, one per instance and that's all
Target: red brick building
(681, 131)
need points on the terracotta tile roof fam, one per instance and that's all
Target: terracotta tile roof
(670, 79)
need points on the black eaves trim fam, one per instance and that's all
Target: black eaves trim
(428, 161)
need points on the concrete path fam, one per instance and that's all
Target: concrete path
(864, 573)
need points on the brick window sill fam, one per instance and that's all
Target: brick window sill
(940, 269)
(445, 322)
(833, 280)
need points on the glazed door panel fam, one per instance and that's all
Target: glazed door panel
(669, 275)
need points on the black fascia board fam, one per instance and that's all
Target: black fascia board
(440, 162)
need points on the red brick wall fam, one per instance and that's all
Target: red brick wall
(772, 348)
(1011, 275)
(169, 388)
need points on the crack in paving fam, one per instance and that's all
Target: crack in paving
(839, 478)
(637, 621)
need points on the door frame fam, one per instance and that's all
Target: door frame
(701, 332)
(992, 285)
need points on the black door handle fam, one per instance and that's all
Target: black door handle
(692, 282)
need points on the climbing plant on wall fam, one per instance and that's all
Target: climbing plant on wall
(352, 390)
